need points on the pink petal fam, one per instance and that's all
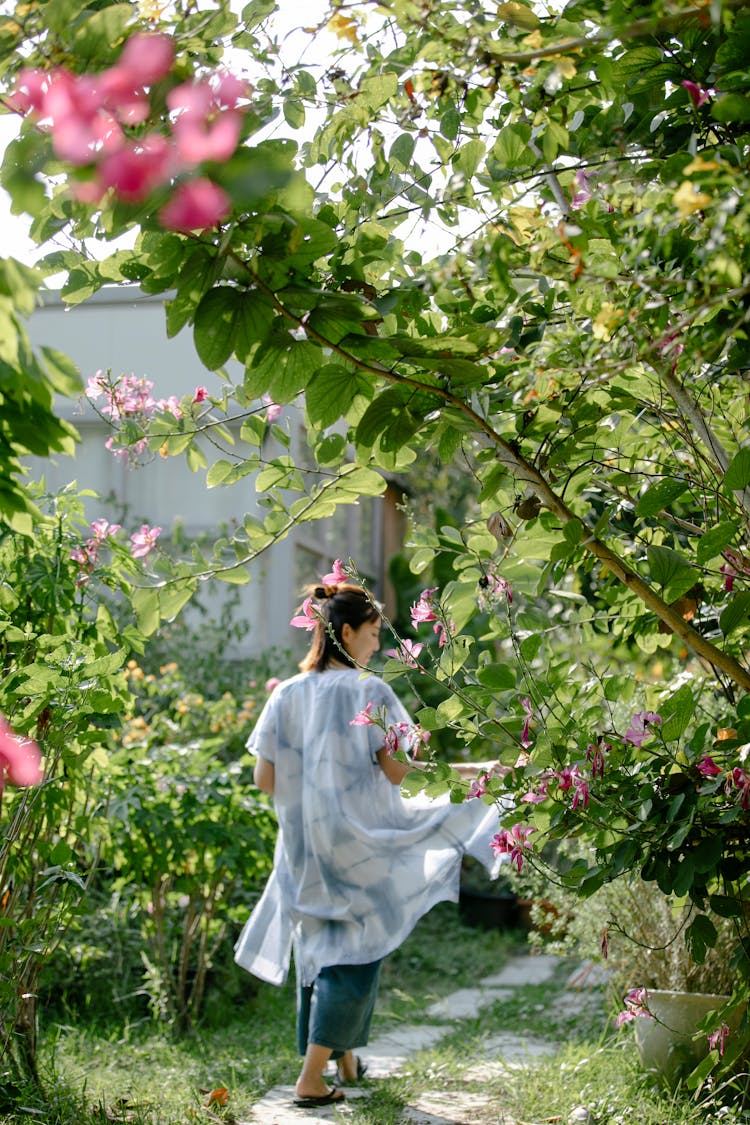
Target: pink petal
(22, 757)
(196, 205)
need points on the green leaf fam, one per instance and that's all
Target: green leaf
(216, 324)
(737, 475)
(99, 37)
(700, 936)
(726, 907)
(676, 713)
(450, 123)
(145, 601)
(713, 542)
(736, 613)
(294, 112)
(511, 149)
(731, 107)
(498, 677)
(402, 151)
(659, 496)
(671, 571)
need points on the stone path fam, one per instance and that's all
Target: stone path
(390, 1054)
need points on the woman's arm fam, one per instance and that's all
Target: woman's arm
(264, 775)
(394, 770)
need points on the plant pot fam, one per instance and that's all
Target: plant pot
(488, 911)
(665, 1044)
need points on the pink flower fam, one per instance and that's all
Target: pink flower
(137, 168)
(512, 842)
(595, 753)
(406, 653)
(478, 786)
(409, 737)
(363, 717)
(337, 575)
(741, 781)
(203, 128)
(538, 795)
(170, 405)
(309, 617)
(636, 1004)
(422, 610)
(583, 193)
(195, 205)
(20, 758)
(581, 787)
(637, 732)
(201, 394)
(147, 57)
(707, 767)
(729, 576)
(103, 530)
(271, 683)
(144, 540)
(443, 633)
(717, 1038)
(526, 741)
(273, 411)
(697, 94)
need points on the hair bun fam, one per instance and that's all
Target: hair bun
(325, 591)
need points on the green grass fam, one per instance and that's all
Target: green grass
(140, 1074)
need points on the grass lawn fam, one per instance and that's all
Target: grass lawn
(143, 1074)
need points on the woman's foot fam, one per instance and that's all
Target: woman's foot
(350, 1068)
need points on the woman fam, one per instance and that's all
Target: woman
(356, 865)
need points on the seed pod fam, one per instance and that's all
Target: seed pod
(498, 526)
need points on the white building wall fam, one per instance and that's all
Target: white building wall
(125, 331)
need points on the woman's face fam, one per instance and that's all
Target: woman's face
(362, 643)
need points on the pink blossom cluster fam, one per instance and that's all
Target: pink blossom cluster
(129, 399)
(87, 555)
(636, 1004)
(478, 786)
(407, 737)
(493, 590)
(406, 653)
(98, 122)
(424, 610)
(718, 1038)
(20, 758)
(513, 842)
(570, 779)
(638, 730)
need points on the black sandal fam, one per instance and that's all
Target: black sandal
(361, 1072)
(325, 1099)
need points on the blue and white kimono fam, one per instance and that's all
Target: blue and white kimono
(356, 864)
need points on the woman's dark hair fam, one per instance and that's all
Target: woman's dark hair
(339, 606)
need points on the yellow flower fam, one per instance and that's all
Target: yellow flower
(605, 320)
(687, 199)
(698, 164)
(343, 27)
(565, 67)
(530, 42)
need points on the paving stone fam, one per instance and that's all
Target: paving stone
(525, 970)
(277, 1108)
(388, 1053)
(506, 1046)
(453, 1107)
(591, 974)
(466, 1002)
